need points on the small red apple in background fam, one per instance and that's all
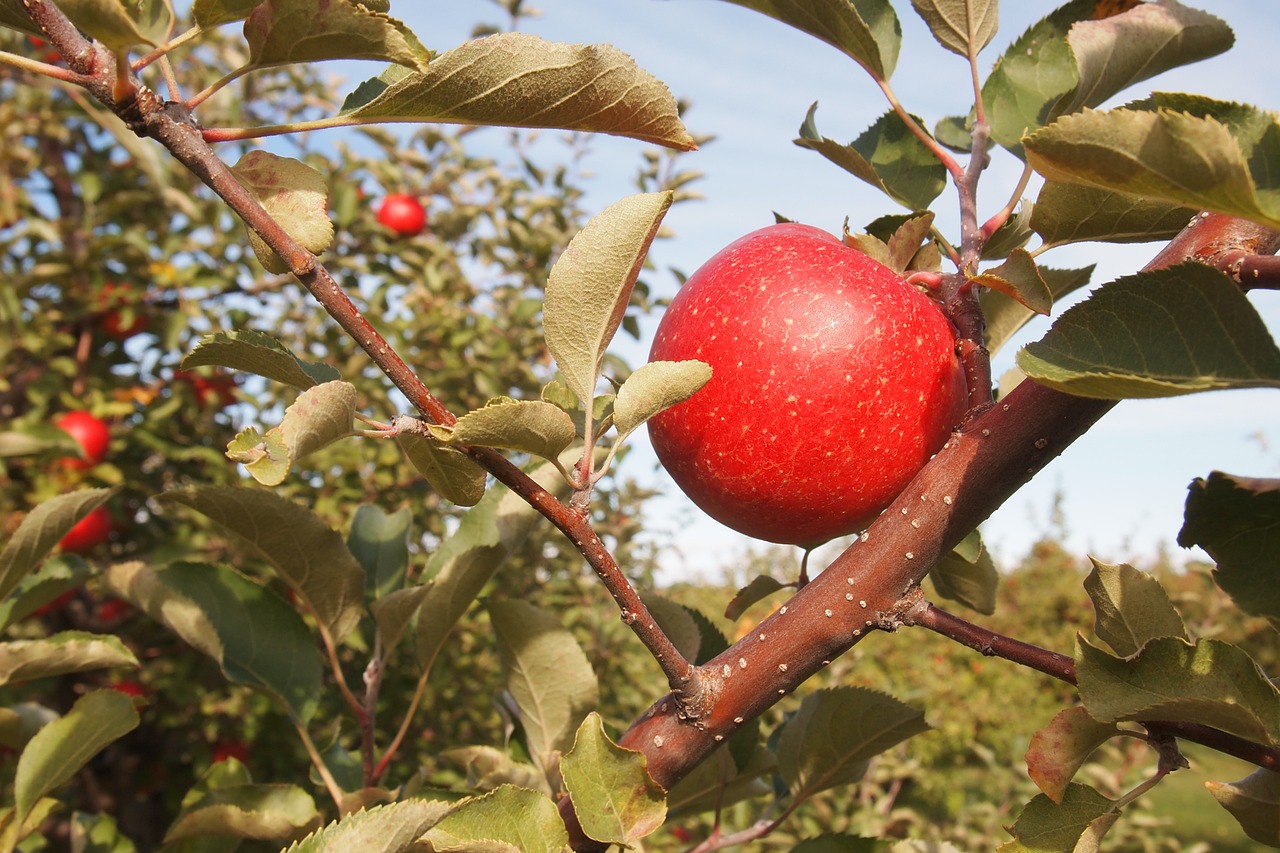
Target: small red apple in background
(231, 748)
(88, 532)
(123, 312)
(90, 432)
(51, 607)
(129, 687)
(216, 390)
(50, 55)
(403, 214)
(833, 382)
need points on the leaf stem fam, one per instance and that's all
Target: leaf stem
(392, 748)
(317, 760)
(1002, 216)
(45, 69)
(944, 156)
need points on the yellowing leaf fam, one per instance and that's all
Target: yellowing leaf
(450, 471)
(655, 387)
(1019, 279)
(526, 426)
(961, 26)
(614, 797)
(1059, 749)
(119, 24)
(1131, 608)
(867, 31)
(281, 31)
(296, 197)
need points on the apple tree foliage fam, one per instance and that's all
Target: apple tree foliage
(184, 256)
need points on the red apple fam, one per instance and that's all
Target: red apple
(215, 390)
(129, 687)
(231, 748)
(48, 54)
(90, 432)
(123, 314)
(88, 532)
(403, 214)
(833, 382)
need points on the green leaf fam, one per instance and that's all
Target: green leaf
(677, 621)
(1209, 682)
(1013, 234)
(256, 637)
(833, 843)
(488, 768)
(64, 652)
(1157, 334)
(1255, 804)
(62, 747)
(14, 15)
(1005, 315)
(1072, 213)
(257, 812)
(1234, 520)
(547, 674)
(1131, 608)
(590, 286)
(961, 26)
(867, 31)
(723, 780)
(526, 426)
(119, 24)
(305, 551)
(456, 476)
(212, 13)
(295, 195)
(467, 560)
(955, 132)
(42, 529)
(37, 589)
(394, 611)
(284, 31)
(968, 575)
(836, 732)
(98, 833)
(260, 354)
(1048, 827)
(393, 828)
(1019, 279)
(379, 541)
(614, 797)
(37, 438)
(520, 80)
(758, 589)
(1061, 748)
(520, 820)
(887, 155)
(319, 416)
(1174, 157)
(264, 455)
(655, 387)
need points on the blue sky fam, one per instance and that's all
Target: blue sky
(750, 81)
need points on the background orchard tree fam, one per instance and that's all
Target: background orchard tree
(271, 581)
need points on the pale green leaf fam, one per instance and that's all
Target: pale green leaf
(590, 286)
(37, 589)
(1234, 520)
(677, 622)
(1019, 279)
(1061, 748)
(379, 541)
(1209, 682)
(456, 476)
(867, 31)
(295, 195)
(615, 799)
(1048, 827)
(547, 674)
(526, 426)
(961, 26)
(283, 31)
(887, 155)
(1131, 608)
(520, 80)
(62, 747)
(309, 554)
(1014, 233)
(264, 455)
(14, 15)
(321, 415)
(255, 352)
(119, 24)
(98, 833)
(1005, 315)
(212, 13)
(257, 812)
(1073, 213)
(516, 819)
(394, 611)
(655, 387)
(757, 589)
(968, 575)
(488, 768)
(36, 438)
(836, 732)
(1254, 802)
(393, 828)
(41, 530)
(1157, 334)
(62, 653)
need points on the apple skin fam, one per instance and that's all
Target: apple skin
(88, 533)
(112, 300)
(833, 383)
(90, 432)
(403, 214)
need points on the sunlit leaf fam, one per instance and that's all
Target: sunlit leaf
(62, 747)
(98, 833)
(41, 530)
(1254, 802)
(1157, 334)
(968, 575)
(456, 476)
(309, 554)
(393, 828)
(961, 26)
(1130, 608)
(526, 426)
(118, 24)
(264, 455)
(212, 13)
(655, 387)
(590, 286)
(615, 799)
(62, 653)
(1048, 827)
(14, 15)
(1234, 519)
(1209, 682)
(255, 352)
(1061, 748)
(259, 812)
(520, 820)
(55, 577)
(1073, 213)
(520, 80)
(868, 31)
(282, 31)
(1019, 279)
(295, 195)
(1005, 315)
